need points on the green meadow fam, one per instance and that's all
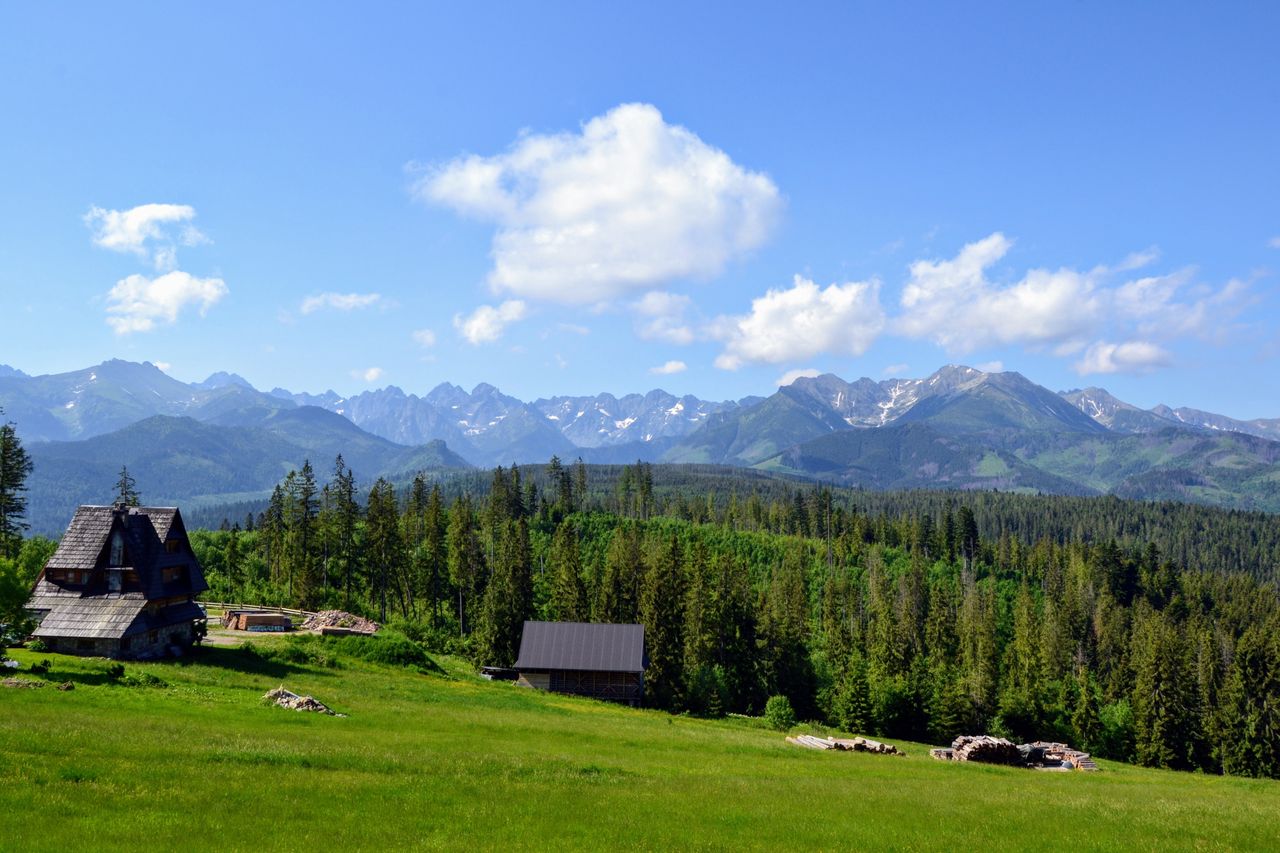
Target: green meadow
(435, 757)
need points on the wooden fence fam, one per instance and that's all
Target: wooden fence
(259, 607)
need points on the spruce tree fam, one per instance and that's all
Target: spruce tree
(568, 593)
(127, 489)
(15, 467)
(661, 613)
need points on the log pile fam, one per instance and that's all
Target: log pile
(1045, 755)
(985, 748)
(857, 744)
(340, 619)
(288, 699)
(1039, 755)
(254, 620)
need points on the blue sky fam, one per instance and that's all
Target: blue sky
(572, 198)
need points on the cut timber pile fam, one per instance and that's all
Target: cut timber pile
(985, 748)
(288, 699)
(1040, 755)
(857, 744)
(326, 621)
(1056, 756)
(254, 620)
(21, 683)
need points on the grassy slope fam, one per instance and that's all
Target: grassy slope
(434, 761)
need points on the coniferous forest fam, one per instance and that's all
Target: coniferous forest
(1143, 632)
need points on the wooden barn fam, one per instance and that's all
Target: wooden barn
(121, 584)
(585, 659)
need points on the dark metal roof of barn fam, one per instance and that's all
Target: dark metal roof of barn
(582, 646)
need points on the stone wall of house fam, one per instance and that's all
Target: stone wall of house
(153, 644)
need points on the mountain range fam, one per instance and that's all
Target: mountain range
(222, 439)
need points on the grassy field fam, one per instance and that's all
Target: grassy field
(449, 760)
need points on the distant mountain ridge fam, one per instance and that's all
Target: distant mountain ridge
(959, 427)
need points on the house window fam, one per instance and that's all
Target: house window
(171, 546)
(117, 549)
(173, 574)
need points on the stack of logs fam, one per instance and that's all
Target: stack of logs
(996, 750)
(857, 744)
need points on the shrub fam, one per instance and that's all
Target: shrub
(42, 667)
(37, 646)
(388, 648)
(142, 679)
(115, 671)
(779, 714)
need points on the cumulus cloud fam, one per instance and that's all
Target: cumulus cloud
(952, 302)
(627, 203)
(991, 366)
(137, 229)
(799, 373)
(660, 316)
(487, 323)
(801, 322)
(669, 368)
(956, 305)
(369, 374)
(339, 301)
(139, 303)
(425, 338)
(1158, 306)
(896, 370)
(1128, 357)
(1274, 242)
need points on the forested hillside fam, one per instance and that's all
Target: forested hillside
(1147, 632)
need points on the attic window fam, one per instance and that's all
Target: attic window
(171, 546)
(173, 574)
(117, 549)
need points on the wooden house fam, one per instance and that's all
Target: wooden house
(600, 661)
(121, 584)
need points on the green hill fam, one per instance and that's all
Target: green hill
(182, 460)
(452, 761)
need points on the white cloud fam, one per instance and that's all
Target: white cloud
(801, 322)
(134, 231)
(626, 204)
(487, 323)
(573, 328)
(338, 301)
(952, 302)
(425, 338)
(1156, 304)
(896, 370)
(1128, 357)
(139, 304)
(162, 366)
(669, 368)
(799, 373)
(370, 374)
(1274, 242)
(955, 304)
(991, 366)
(659, 316)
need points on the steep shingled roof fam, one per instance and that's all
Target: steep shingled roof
(582, 646)
(91, 609)
(84, 539)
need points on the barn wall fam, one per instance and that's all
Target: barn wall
(537, 680)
